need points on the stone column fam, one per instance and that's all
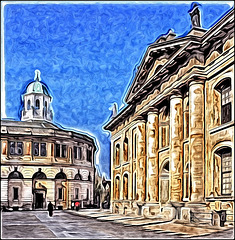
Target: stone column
(196, 138)
(176, 147)
(141, 160)
(152, 156)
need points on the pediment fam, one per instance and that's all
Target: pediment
(156, 56)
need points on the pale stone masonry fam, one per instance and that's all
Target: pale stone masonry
(178, 127)
(43, 162)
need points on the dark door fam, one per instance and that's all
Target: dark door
(39, 200)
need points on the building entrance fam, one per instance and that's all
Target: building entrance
(39, 200)
(164, 183)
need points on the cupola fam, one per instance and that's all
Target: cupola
(37, 101)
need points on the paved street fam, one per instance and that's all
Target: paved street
(37, 224)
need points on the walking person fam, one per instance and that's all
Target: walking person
(77, 205)
(50, 209)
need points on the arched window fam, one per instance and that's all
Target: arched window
(28, 105)
(117, 155)
(37, 104)
(125, 148)
(125, 186)
(224, 87)
(223, 170)
(117, 188)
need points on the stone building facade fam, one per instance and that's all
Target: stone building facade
(41, 161)
(102, 191)
(172, 146)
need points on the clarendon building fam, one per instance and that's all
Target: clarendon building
(41, 161)
(172, 146)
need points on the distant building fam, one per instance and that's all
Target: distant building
(172, 147)
(102, 191)
(42, 162)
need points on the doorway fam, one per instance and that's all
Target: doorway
(164, 183)
(38, 200)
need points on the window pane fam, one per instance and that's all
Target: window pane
(75, 152)
(43, 149)
(12, 147)
(28, 105)
(35, 149)
(57, 153)
(226, 173)
(88, 155)
(64, 151)
(226, 113)
(37, 104)
(19, 148)
(76, 193)
(79, 153)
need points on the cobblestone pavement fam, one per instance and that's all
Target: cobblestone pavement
(37, 224)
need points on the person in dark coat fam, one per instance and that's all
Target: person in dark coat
(77, 205)
(50, 209)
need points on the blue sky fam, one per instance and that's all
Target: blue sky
(87, 55)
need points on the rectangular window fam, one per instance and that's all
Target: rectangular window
(88, 155)
(43, 149)
(12, 148)
(64, 151)
(226, 173)
(16, 148)
(15, 193)
(36, 149)
(52, 149)
(60, 193)
(19, 148)
(79, 153)
(226, 113)
(57, 150)
(75, 152)
(76, 193)
(226, 105)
